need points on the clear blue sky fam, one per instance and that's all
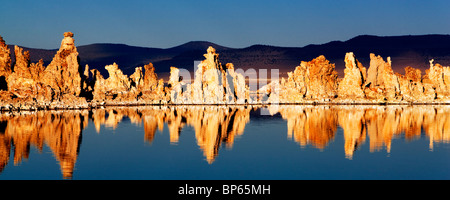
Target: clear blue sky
(40, 24)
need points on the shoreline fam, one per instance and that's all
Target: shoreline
(90, 106)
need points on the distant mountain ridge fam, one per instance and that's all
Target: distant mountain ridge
(408, 50)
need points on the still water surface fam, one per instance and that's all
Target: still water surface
(218, 142)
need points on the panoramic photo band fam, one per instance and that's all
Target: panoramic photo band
(64, 84)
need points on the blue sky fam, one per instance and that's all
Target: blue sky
(40, 24)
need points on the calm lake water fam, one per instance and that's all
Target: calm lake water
(217, 142)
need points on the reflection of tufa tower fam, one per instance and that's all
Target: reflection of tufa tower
(217, 125)
(63, 137)
(317, 125)
(213, 125)
(61, 131)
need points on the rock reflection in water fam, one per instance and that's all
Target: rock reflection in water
(213, 125)
(220, 125)
(317, 125)
(60, 131)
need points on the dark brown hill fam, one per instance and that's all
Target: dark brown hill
(404, 51)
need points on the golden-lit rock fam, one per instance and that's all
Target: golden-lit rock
(99, 92)
(63, 84)
(63, 72)
(270, 93)
(24, 83)
(139, 88)
(150, 78)
(5, 59)
(313, 80)
(381, 80)
(56, 86)
(411, 86)
(21, 82)
(137, 80)
(321, 78)
(87, 88)
(115, 89)
(212, 84)
(351, 87)
(211, 77)
(297, 80)
(175, 86)
(22, 62)
(237, 90)
(37, 69)
(294, 89)
(375, 71)
(439, 77)
(117, 81)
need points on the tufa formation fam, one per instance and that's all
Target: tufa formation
(213, 84)
(376, 85)
(64, 84)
